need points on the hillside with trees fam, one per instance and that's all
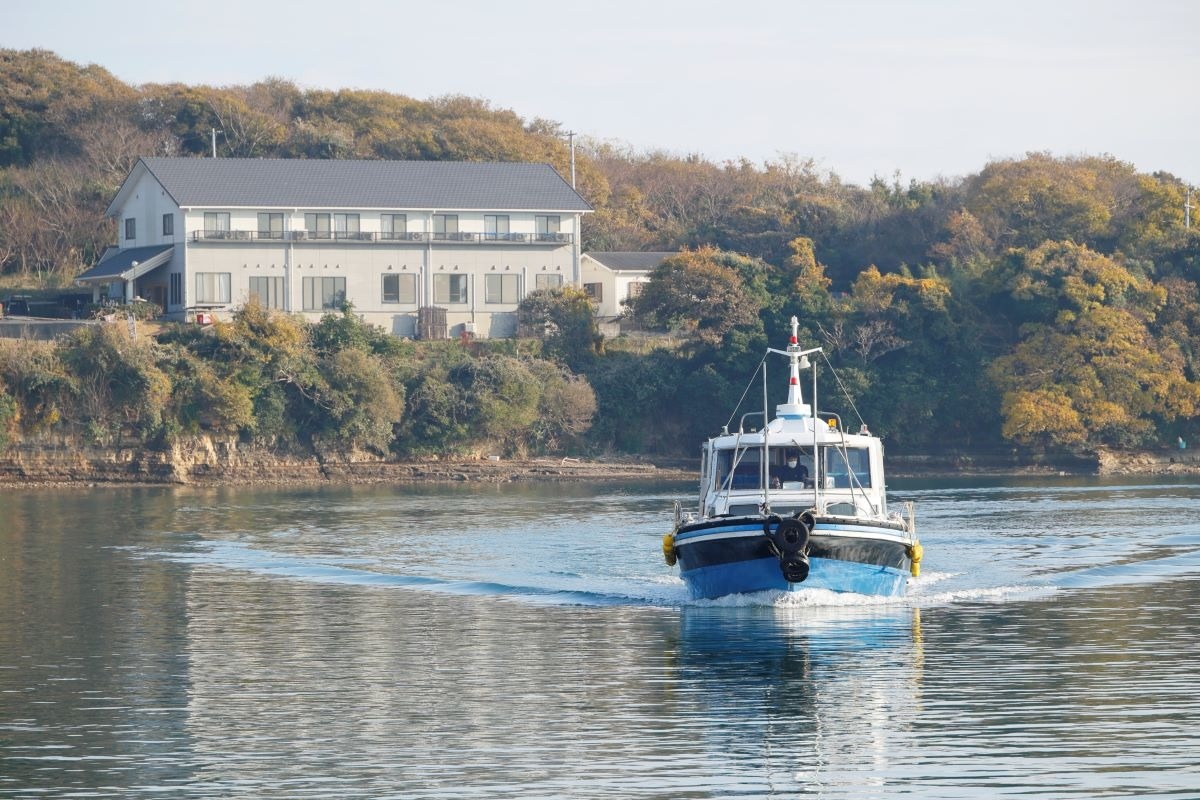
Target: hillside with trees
(1043, 303)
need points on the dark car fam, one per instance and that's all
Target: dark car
(17, 305)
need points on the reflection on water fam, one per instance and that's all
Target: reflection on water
(528, 642)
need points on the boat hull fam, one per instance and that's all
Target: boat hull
(733, 556)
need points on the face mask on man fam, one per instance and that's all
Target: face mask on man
(791, 462)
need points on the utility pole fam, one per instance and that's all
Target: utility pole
(1187, 210)
(214, 141)
(571, 138)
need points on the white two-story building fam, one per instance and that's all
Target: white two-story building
(452, 245)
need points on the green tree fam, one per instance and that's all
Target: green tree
(566, 318)
(363, 406)
(120, 383)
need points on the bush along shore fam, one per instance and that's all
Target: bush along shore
(271, 398)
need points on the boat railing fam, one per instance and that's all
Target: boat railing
(742, 422)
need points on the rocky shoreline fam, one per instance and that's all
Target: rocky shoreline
(211, 462)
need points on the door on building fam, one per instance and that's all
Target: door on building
(157, 293)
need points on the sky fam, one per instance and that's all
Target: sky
(927, 89)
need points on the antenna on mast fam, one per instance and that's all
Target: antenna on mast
(795, 407)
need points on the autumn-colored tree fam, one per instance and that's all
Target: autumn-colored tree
(699, 293)
(1098, 377)
(810, 285)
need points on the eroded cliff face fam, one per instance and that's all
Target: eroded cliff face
(207, 460)
(196, 460)
(1156, 462)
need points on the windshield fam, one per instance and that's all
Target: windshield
(787, 467)
(843, 463)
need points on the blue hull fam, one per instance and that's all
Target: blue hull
(734, 557)
(763, 574)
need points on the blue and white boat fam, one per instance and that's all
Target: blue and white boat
(798, 503)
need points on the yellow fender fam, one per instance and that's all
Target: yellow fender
(669, 549)
(915, 554)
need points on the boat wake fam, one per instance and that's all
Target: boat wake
(1144, 571)
(365, 572)
(556, 589)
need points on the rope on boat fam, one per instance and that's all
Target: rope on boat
(842, 386)
(746, 391)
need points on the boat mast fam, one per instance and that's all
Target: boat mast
(795, 407)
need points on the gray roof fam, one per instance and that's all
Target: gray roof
(616, 260)
(303, 183)
(115, 263)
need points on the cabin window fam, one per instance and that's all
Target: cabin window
(783, 476)
(847, 467)
(745, 468)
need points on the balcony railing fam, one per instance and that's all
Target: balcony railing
(372, 236)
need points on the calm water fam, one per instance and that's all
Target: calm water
(491, 642)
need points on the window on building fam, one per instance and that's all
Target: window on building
(500, 289)
(400, 288)
(547, 226)
(268, 291)
(176, 291)
(495, 226)
(270, 225)
(345, 226)
(317, 226)
(547, 281)
(594, 291)
(635, 289)
(212, 287)
(130, 228)
(168, 224)
(324, 294)
(394, 226)
(445, 226)
(216, 224)
(450, 288)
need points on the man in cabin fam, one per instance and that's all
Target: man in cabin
(790, 471)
